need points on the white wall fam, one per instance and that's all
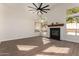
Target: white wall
(16, 21)
(58, 14)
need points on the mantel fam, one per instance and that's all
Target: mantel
(56, 25)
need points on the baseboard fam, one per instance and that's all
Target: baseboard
(18, 38)
(71, 41)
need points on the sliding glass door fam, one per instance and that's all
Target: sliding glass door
(72, 26)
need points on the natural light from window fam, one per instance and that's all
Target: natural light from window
(55, 49)
(25, 47)
(45, 40)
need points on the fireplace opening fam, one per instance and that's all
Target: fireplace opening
(55, 33)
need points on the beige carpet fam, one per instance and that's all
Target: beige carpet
(38, 46)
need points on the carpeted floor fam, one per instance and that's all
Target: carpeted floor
(38, 46)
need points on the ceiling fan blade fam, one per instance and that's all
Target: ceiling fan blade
(40, 5)
(45, 6)
(35, 5)
(41, 12)
(31, 7)
(31, 10)
(46, 9)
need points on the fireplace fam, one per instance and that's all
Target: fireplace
(55, 33)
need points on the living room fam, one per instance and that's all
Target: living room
(34, 29)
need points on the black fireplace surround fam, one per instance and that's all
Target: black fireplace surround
(55, 33)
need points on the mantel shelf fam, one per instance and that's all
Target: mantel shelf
(56, 25)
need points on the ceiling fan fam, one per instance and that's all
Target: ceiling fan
(39, 9)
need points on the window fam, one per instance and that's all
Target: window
(72, 22)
